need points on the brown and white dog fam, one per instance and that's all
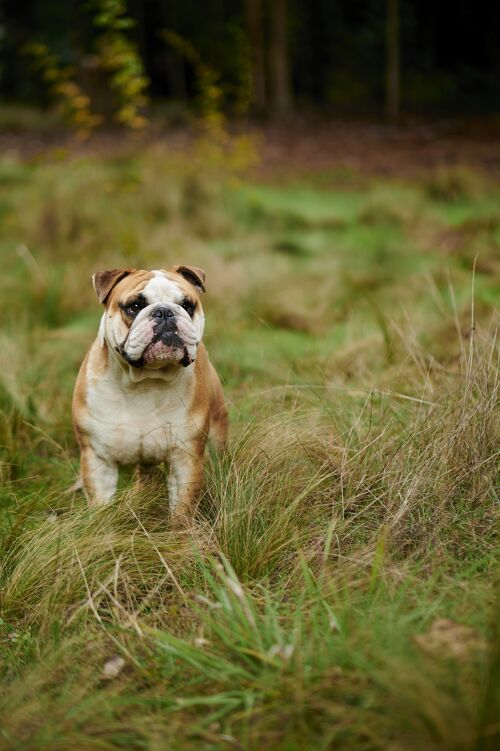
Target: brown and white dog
(147, 391)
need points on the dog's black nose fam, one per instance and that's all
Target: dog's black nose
(162, 314)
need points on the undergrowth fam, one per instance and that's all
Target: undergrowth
(338, 586)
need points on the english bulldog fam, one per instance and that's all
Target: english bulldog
(147, 392)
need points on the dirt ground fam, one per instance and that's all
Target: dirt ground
(325, 147)
(380, 150)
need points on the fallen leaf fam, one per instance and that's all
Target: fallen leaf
(445, 638)
(113, 667)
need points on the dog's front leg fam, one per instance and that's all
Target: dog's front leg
(185, 481)
(99, 477)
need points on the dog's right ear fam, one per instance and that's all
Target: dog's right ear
(104, 281)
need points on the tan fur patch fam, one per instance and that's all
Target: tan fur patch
(126, 288)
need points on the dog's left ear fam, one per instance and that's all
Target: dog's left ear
(193, 275)
(104, 281)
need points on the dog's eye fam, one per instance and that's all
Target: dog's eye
(133, 308)
(189, 306)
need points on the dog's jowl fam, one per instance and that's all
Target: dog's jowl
(147, 391)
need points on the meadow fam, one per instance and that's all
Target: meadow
(338, 587)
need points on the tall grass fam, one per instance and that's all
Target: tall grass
(337, 587)
(286, 614)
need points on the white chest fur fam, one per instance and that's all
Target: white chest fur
(139, 422)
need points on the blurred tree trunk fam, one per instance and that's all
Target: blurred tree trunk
(176, 76)
(392, 102)
(174, 64)
(253, 10)
(278, 59)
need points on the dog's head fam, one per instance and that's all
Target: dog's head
(153, 319)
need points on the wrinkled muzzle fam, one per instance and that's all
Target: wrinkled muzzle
(160, 334)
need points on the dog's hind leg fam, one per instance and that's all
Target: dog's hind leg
(74, 487)
(219, 427)
(219, 418)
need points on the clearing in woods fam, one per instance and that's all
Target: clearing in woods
(337, 589)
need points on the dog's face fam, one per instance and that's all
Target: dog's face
(153, 318)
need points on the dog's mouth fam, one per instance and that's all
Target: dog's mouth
(158, 341)
(168, 349)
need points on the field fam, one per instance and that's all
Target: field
(337, 589)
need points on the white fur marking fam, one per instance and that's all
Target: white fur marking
(162, 289)
(102, 330)
(139, 337)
